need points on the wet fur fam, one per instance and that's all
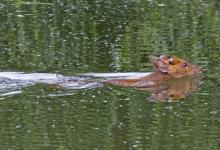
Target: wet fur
(166, 68)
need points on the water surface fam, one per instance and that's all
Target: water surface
(77, 37)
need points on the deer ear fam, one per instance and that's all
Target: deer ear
(158, 64)
(154, 61)
(163, 68)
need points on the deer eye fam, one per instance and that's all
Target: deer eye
(185, 64)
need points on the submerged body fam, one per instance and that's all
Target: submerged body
(150, 80)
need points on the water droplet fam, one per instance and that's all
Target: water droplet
(213, 112)
(161, 5)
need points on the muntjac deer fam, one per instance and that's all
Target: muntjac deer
(166, 68)
(166, 81)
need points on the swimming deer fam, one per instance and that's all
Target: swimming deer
(166, 68)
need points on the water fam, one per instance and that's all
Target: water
(77, 37)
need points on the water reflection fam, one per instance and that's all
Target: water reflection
(175, 89)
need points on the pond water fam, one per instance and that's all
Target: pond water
(77, 37)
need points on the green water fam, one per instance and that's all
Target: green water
(71, 37)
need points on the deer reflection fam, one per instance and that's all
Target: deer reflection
(174, 89)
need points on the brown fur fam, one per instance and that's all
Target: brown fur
(166, 68)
